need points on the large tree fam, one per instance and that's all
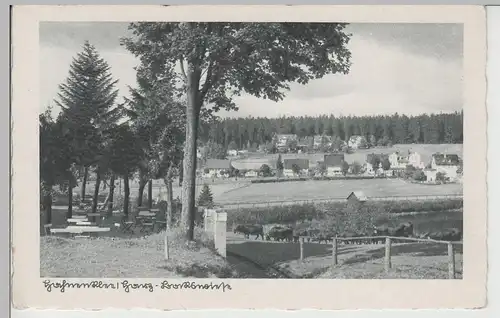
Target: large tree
(158, 118)
(55, 161)
(87, 99)
(217, 61)
(124, 157)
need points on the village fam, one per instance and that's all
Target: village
(378, 161)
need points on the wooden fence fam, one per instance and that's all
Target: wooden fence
(388, 243)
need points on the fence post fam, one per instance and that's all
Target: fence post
(334, 251)
(220, 233)
(387, 259)
(301, 241)
(451, 261)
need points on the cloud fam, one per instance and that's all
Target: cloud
(389, 74)
(382, 80)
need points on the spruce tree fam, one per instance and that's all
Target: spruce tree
(279, 166)
(87, 100)
(206, 198)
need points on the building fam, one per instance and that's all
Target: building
(400, 161)
(215, 168)
(232, 153)
(282, 139)
(357, 142)
(251, 174)
(302, 164)
(369, 169)
(318, 140)
(356, 198)
(414, 159)
(333, 163)
(430, 174)
(447, 164)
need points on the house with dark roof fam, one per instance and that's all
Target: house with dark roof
(215, 168)
(288, 166)
(333, 163)
(447, 164)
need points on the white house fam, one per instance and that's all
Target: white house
(447, 164)
(282, 139)
(215, 168)
(398, 161)
(333, 163)
(251, 174)
(356, 141)
(415, 160)
(302, 164)
(430, 174)
(401, 161)
(318, 140)
(232, 153)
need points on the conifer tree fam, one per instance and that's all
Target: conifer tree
(206, 198)
(87, 99)
(279, 166)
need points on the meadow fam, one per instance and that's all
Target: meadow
(330, 189)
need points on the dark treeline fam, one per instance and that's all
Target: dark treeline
(398, 129)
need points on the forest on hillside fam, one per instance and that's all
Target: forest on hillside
(444, 128)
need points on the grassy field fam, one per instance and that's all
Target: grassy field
(308, 190)
(138, 257)
(424, 150)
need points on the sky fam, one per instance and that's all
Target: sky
(405, 68)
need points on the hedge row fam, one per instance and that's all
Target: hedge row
(308, 212)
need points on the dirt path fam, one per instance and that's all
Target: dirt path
(265, 259)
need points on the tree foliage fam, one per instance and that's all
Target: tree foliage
(265, 170)
(401, 129)
(88, 110)
(218, 61)
(386, 164)
(296, 169)
(206, 198)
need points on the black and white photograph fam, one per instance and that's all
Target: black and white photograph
(253, 150)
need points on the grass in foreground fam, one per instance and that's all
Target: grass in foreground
(376, 271)
(139, 257)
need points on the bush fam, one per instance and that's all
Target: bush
(334, 211)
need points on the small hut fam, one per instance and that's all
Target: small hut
(356, 199)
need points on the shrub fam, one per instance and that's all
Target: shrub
(335, 212)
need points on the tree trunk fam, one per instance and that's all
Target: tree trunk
(170, 197)
(69, 214)
(110, 196)
(181, 174)
(96, 190)
(150, 194)
(126, 195)
(189, 162)
(84, 183)
(47, 205)
(142, 185)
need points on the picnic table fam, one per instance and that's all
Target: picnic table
(145, 220)
(74, 230)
